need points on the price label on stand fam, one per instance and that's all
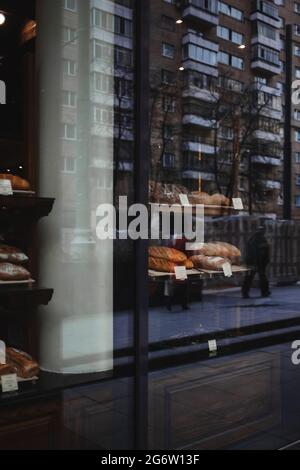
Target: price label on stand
(184, 200)
(6, 188)
(227, 269)
(238, 204)
(212, 346)
(9, 383)
(181, 273)
(2, 352)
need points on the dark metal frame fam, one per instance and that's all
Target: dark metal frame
(287, 166)
(142, 158)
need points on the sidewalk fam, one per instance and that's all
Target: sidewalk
(224, 310)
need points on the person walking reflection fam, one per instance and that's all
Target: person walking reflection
(258, 258)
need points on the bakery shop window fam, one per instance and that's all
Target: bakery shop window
(67, 146)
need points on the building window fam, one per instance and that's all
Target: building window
(69, 98)
(70, 5)
(298, 180)
(297, 136)
(200, 54)
(168, 23)
(103, 115)
(297, 157)
(69, 35)
(169, 104)
(169, 160)
(104, 83)
(228, 10)
(69, 68)
(113, 23)
(69, 165)
(168, 50)
(297, 201)
(168, 77)
(69, 131)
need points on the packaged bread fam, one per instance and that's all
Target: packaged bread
(161, 265)
(6, 369)
(12, 272)
(209, 263)
(10, 254)
(26, 367)
(17, 183)
(169, 254)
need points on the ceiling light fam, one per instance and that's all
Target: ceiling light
(2, 19)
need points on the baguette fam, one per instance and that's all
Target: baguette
(161, 265)
(10, 254)
(210, 263)
(168, 254)
(25, 365)
(16, 182)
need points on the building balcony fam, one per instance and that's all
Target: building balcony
(201, 94)
(268, 68)
(266, 160)
(191, 145)
(266, 12)
(272, 113)
(272, 185)
(203, 12)
(199, 121)
(266, 89)
(198, 175)
(267, 136)
(200, 54)
(273, 43)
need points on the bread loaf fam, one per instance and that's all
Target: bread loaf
(10, 254)
(220, 249)
(169, 254)
(16, 182)
(24, 364)
(210, 263)
(12, 272)
(189, 264)
(6, 369)
(161, 265)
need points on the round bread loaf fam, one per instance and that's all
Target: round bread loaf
(10, 254)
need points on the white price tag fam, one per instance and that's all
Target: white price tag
(212, 346)
(6, 188)
(227, 269)
(9, 383)
(181, 273)
(238, 204)
(2, 352)
(184, 200)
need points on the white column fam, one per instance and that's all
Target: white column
(76, 328)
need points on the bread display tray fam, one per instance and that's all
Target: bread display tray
(13, 283)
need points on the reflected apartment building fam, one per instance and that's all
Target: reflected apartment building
(106, 39)
(217, 74)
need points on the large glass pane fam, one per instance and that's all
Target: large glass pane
(71, 131)
(220, 130)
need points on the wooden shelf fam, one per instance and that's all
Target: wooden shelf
(23, 297)
(194, 273)
(23, 209)
(208, 210)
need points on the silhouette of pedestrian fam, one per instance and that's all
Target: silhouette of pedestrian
(258, 258)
